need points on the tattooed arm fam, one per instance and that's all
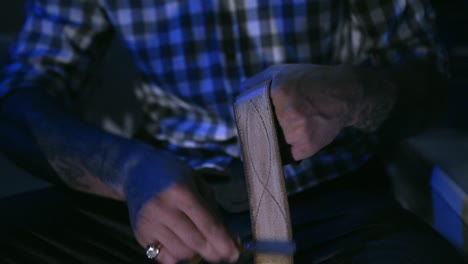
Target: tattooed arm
(163, 202)
(84, 157)
(418, 95)
(52, 53)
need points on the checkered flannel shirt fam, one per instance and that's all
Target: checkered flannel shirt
(193, 55)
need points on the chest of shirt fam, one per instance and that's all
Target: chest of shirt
(179, 35)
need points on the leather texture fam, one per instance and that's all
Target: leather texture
(263, 168)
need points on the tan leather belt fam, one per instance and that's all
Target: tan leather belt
(263, 168)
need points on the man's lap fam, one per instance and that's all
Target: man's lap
(349, 224)
(350, 220)
(365, 228)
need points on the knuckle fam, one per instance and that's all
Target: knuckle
(289, 138)
(214, 228)
(304, 150)
(177, 190)
(201, 246)
(293, 134)
(166, 215)
(183, 196)
(298, 153)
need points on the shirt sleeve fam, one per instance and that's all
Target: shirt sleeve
(58, 41)
(388, 32)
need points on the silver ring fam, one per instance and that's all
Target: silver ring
(153, 250)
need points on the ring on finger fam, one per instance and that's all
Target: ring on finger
(153, 250)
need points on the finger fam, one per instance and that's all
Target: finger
(310, 141)
(187, 233)
(152, 229)
(302, 140)
(293, 129)
(165, 257)
(304, 148)
(175, 245)
(213, 230)
(303, 151)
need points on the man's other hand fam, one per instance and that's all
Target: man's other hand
(312, 103)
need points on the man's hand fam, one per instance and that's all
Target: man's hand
(177, 217)
(312, 103)
(163, 202)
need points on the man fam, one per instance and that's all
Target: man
(360, 69)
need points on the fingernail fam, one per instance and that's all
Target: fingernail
(235, 257)
(236, 251)
(238, 242)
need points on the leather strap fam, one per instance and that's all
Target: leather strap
(262, 163)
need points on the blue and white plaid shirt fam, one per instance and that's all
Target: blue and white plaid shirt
(193, 55)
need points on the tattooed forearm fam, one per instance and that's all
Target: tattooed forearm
(84, 157)
(71, 172)
(85, 160)
(75, 175)
(401, 101)
(380, 95)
